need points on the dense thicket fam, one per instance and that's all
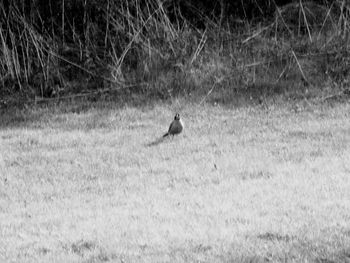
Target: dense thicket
(53, 47)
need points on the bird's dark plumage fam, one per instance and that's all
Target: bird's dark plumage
(175, 127)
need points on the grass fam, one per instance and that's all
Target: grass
(239, 185)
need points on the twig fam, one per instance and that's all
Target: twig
(337, 95)
(282, 73)
(79, 95)
(305, 20)
(209, 92)
(284, 22)
(199, 47)
(82, 68)
(255, 34)
(300, 69)
(258, 63)
(325, 19)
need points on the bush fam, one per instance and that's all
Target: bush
(164, 49)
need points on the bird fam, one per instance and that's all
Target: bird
(175, 127)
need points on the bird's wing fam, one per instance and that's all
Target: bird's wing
(171, 126)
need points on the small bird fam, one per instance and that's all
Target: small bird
(175, 127)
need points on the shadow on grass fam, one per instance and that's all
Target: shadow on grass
(53, 118)
(12, 118)
(78, 114)
(24, 114)
(31, 115)
(155, 142)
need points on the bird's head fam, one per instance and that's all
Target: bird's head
(177, 117)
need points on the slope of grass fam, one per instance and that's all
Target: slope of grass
(239, 185)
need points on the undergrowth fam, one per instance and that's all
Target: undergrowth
(155, 50)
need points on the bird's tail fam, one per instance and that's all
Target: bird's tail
(165, 135)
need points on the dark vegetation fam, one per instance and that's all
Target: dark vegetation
(217, 50)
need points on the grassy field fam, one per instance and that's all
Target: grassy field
(248, 184)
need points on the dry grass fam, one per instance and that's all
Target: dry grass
(239, 185)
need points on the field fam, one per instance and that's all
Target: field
(249, 184)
